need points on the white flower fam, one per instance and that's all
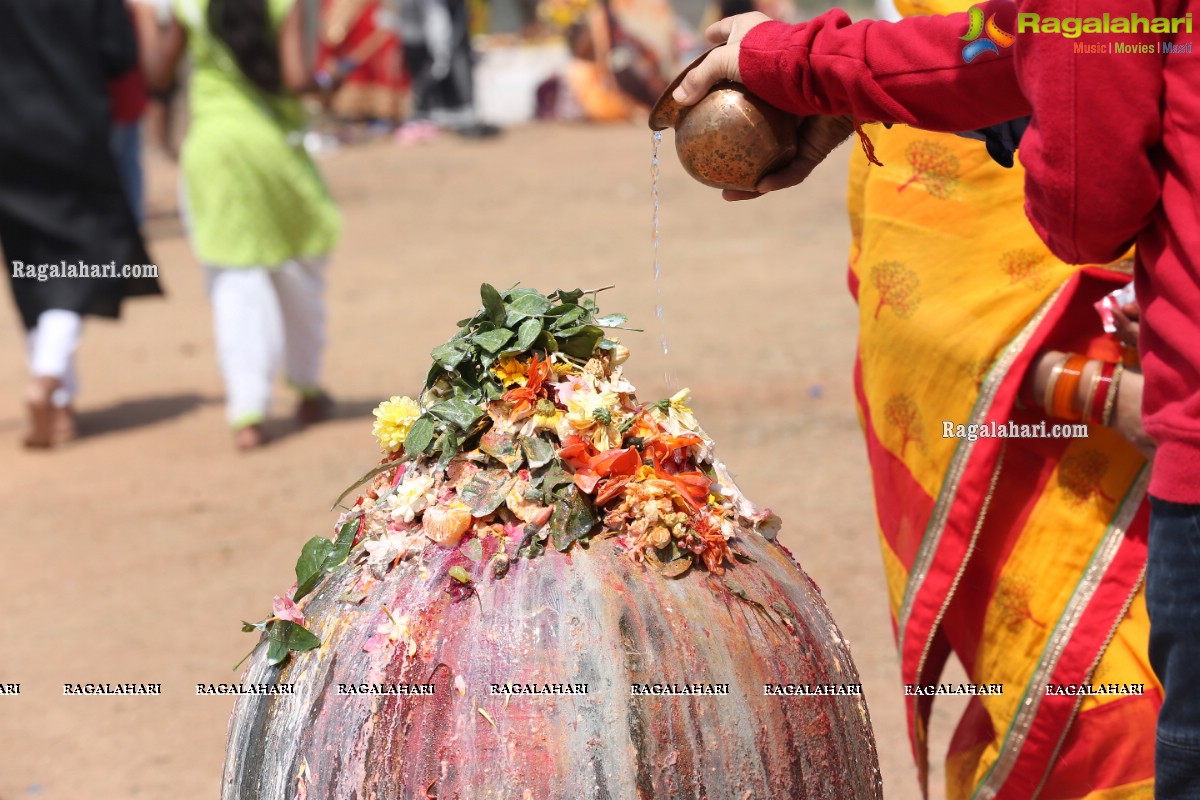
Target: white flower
(411, 497)
(586, 409)
(390, 546)
(678, 410)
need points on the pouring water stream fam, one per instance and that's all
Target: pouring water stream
(658, 290)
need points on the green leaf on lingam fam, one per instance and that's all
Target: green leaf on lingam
(345, 540)
(284, 636)
(458, 412)
(503, 448)
(449, 355)
(568, 296)
(493, 304)
(571, 520)
(538, 451)
(311, 566)
(485, 491)
(555, 475)
(420, 436)
(527, 334)
(493, 341)
(527, 303)
(611, 320)
(582, 343)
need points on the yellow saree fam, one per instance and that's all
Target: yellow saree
(1023, 556)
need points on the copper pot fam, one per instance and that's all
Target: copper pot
(731, 138)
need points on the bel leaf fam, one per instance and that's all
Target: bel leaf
(502, 447)
(571, 520)
(458, 412)
(538, 451)
(554, 476)
(611, 320)
(284, 636)
(493, 303)
(420, 435)
(485, 491)
(449, 355)
(569, 296)
(493, 341)
(570, 318)
(528, 305)
(583, 343)
(311, 566)
(345, 540)
(526, 335)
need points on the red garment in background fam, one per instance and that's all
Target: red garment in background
(347, 24)
(127, 96)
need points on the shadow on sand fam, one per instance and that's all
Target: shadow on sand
(280, 428)
(143, 412)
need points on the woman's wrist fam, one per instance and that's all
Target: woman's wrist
(1072, 387)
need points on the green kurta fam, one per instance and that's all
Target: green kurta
(255, 197)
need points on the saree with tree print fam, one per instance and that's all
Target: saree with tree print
(1022, 556)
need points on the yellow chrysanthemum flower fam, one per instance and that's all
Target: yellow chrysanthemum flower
(393, 420)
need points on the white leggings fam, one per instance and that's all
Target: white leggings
(51, 346)
(259, 314)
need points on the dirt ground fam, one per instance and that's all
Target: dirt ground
(132, 554)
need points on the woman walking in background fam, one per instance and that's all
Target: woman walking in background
(61, 202)
(260, 217)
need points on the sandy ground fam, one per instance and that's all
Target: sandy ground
(132, 554)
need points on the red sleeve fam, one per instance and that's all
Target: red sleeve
(1090, 185)
(912, 71)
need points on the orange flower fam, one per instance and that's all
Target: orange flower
(590, 467)
(524, 398)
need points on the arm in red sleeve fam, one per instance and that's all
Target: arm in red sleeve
(910, 71)
(1090, 185)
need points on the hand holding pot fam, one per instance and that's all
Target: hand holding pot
(816, 137)
(720, 64)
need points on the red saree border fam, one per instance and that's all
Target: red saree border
(959, 509)
(1072, 653)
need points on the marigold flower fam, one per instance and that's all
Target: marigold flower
(393, 420)
(510, 372)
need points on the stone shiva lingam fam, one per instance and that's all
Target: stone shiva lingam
(548, 590)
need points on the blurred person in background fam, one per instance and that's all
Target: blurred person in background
(61, 197)
(361, 38)
(436, 42)
(613, 75)
(130, 100)
(259, 215)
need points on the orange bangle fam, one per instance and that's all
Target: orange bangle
(1051, 382)
(1063, 404)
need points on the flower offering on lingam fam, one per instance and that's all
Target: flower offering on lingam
(533, 590)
